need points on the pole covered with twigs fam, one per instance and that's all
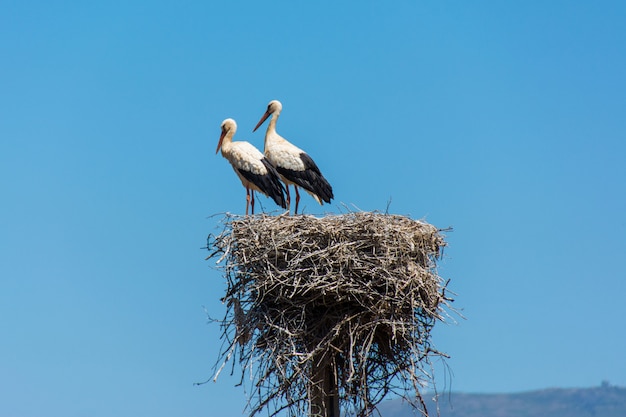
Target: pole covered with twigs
(329, 313)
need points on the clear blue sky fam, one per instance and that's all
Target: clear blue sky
(505, 121)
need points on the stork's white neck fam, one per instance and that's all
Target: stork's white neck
(227, 142)
(271, 133)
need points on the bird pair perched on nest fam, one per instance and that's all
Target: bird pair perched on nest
(282, 161)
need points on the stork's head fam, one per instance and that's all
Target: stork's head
(228, 126)
(273, 108)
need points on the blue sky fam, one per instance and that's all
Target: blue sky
(504, 121)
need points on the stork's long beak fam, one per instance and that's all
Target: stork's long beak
(219, 144)
(264, 118)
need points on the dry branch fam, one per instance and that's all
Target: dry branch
(355, 295)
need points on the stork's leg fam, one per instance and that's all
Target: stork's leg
(288, 197)
(252, 200)
(247, 199)
(297, 199)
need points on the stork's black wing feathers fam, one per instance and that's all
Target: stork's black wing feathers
(309, 163)
(311, 179)
(269, 184)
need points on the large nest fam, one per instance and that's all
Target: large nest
(339, 307)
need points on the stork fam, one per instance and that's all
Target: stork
(294, 165)
(254, 170)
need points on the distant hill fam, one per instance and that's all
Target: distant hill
(602, 401)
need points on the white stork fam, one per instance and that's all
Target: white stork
(292, 163)
(254, 170)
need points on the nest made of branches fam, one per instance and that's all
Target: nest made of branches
(352, 297)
